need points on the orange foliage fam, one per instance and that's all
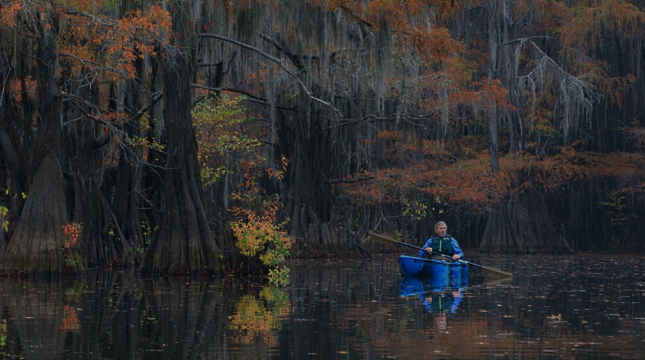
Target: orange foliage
(422, 171)
(636, 134)
(89, 38)
(426, 174)
(595, 27)
(408, 18)
(15, 85)
(9, 13)
(111, 45)
(72, 232)
(437, 45)
(71, 322)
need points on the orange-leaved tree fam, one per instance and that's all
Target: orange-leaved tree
(80, 50)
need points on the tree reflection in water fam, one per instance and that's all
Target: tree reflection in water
(555, 306)
(124, 316)
(257, 317)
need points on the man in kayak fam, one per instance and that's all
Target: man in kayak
(442, 243)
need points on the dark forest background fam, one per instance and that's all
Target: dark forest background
(134, 133)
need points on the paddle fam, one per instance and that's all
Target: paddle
(386, 239)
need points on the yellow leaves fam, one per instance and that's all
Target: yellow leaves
(257, 317)
(224, 132)
(555, 317)
(258, 236)
(144, 143)
(415, 210)
(284, 161)
(144, 122)
(3, 213)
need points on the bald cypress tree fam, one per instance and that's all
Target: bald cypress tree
(184, 244)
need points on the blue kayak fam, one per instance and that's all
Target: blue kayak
(411, 265)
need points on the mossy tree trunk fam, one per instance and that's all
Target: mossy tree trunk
(36, 246)
(522, 225)
(184, 244)
(89, 154)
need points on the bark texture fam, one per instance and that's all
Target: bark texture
(522, 226)
(36, 247)
(184, 244)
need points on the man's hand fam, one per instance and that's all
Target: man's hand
(429, 250)
(456, 257)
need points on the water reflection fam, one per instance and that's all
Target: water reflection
(555, 307)
(38, 318)
(258, 318)
(440, 293)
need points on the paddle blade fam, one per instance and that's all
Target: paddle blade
(382, 238)
(498, 280)
(497, 271)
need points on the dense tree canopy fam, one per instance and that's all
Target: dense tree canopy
(148, 127)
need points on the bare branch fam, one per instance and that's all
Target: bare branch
(143, 110)
(90, 16)
(350, 181)
(253, 97)
(277, 61)
(95, 66)
(523, 40)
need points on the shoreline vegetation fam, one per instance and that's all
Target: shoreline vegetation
(210, 137)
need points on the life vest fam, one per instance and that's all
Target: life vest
(442, 245)
(441, 303)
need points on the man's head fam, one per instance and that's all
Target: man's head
(440, 228)
(441, 321)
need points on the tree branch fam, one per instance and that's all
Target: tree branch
(350, 181)
(93, 65)
(94, 18)
(253, 97)
(277, 61)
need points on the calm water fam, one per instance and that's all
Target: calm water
(582, 307)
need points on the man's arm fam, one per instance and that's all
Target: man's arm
(456, 248)
(423, 253)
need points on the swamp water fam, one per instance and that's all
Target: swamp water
(555, 307)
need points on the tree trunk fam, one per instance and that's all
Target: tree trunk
(312, 161)
(36, 247)
(522, 225)
(493, 46)
(184, 244)
(89, 153)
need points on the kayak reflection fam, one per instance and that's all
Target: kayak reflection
(441, 292)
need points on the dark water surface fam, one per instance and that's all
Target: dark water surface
(571, 307)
